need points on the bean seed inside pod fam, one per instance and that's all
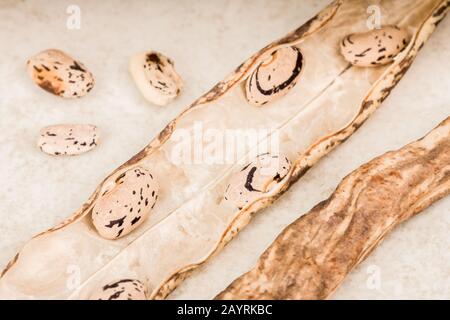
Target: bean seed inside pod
(256, 178)
(60, 74)
(374, 48)
(155, 77)
(125, 206)
(126, 289)
(275, 76)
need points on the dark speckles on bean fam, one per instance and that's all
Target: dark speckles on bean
(134, 209)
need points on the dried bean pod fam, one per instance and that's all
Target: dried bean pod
(314, 254)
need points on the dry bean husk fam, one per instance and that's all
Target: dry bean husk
(313, 255)
(191, 221)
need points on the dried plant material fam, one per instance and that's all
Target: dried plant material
(375, 47)
(155, 77)
(313, 255)
(68, 139)
(60, 74)
(192, 221)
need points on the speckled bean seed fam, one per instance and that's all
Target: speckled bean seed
(274, 76)
(125, 206)
(374, 48)
(155, 77)
(68, 139)
(125, 289)
(256, 178)
(60, 74)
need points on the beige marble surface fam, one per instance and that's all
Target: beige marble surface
(207, 39)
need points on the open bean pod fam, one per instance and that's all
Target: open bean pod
(306, 260)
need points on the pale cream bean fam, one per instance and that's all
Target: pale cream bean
(68, 139)
(374, 48)
(256, 178)
(155, 77)
(60, 74)
(124, 207)
(275, 76)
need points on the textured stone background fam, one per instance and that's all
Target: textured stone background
(207, 39)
